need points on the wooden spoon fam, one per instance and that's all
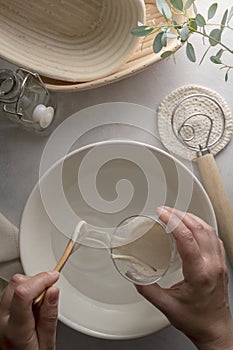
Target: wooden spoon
(71, 247)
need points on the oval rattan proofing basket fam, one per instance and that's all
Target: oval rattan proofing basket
(69, 40)
(142, 58)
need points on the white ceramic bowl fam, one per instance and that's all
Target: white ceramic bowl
(69, 40)
(94, 298)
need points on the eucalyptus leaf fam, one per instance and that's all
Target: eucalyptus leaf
(166, 54)
(230, 15)
(188, 4)
(215, 36)
(190, 52)
(215, 60)
(192, 24)
(157, 44)
(178, 4)
(171, 36)
(164, 39)
(184, 33)
(212, 10)
(224, 19)
(164, 9)
(219, 53)
(200, 20)
(142, 30)
(226, 75)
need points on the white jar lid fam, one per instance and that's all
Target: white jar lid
(43, 115)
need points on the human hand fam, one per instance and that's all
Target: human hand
(198, 305)
(23, 326)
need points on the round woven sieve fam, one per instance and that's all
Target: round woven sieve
(203, 104)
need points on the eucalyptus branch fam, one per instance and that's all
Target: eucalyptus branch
(194, 24)
(214, 39)
(217, 24)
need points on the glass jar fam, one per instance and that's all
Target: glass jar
(25, 99)
(143, 251)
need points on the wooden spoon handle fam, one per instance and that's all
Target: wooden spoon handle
(67, 252)
(224, 213)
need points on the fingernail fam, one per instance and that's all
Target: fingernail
(53, 273)
(166, 208)
(161, 210)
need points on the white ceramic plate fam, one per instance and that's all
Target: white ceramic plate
(95, 299)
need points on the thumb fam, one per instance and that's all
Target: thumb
(47, 319)
(156, 295)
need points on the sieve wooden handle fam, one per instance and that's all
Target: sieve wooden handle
(223, 210)
(67, 252)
